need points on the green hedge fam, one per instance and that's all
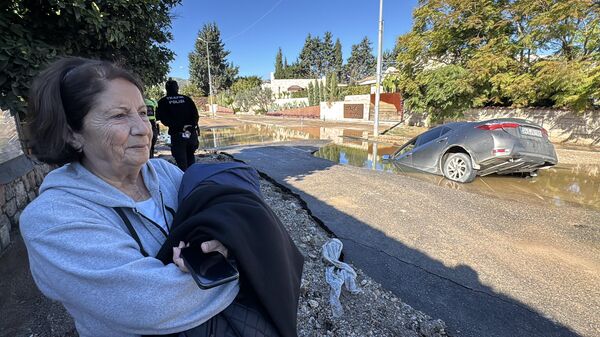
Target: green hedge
(300, 94)
(356, 90)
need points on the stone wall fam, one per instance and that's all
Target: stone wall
(306, 112)
(563, 126)
(14, 196)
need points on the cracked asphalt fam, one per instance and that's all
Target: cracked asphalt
(486, 266)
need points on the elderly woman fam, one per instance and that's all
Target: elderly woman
(90, 117)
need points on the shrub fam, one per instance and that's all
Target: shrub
(300, 94)
(356, 90)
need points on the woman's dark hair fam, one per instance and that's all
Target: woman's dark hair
(60, 97)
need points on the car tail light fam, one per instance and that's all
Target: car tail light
(545, 132)
(496, 126)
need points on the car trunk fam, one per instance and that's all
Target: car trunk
(533, 139)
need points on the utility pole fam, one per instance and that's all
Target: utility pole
(378, 78)
(210, 91)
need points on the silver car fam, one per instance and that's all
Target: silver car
(461, 151)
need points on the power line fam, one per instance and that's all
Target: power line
(245, 30)
(254, 23)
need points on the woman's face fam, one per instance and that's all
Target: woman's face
(116, 133)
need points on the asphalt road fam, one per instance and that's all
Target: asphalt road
(486, 266)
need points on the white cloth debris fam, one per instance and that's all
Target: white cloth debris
(337, 275)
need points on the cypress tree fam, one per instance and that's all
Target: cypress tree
(326, 90)
(337, 58)
(279, 64)
(336, 90)
(311, 95)
(317, 92)
(322, 92)
(332, 86)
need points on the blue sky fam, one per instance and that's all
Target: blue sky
(253, 30)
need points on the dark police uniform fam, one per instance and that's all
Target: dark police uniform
(176, 112)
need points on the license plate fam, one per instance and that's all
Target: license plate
(531, 132)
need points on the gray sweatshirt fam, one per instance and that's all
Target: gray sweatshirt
(82, 255)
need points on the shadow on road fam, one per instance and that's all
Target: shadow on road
(454, 294)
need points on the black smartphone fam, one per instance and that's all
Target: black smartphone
(208, 269)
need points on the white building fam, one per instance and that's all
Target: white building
(289, 85)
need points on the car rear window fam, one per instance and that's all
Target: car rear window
(429, 136)
(445, 130)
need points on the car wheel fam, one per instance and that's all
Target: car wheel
(458, 167)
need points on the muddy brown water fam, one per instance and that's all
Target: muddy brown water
(575, 185)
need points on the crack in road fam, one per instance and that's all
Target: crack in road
(440, 276)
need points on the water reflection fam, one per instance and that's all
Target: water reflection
(369, 157)
(560, 185)
(219, 137)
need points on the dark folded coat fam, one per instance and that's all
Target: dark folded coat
(268, 261)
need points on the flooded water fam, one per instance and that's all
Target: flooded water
(220, 137)
(561, 185)
(577, 185)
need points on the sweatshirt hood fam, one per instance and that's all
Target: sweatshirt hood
(74, 178)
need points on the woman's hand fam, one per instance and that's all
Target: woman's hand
(207, 247)
(214, 246)
(177, 256)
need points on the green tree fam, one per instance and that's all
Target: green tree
(226, 98)
(327, 51)
(361, 63)
(388, 59)
(318, 56)
(243, 100)
(33, 33)
(572, 84)
(322, 89)
(318, 91)
(279, 70)
(445, 92)
(309, 60)
(191, 90)
(245, 83)
(332, 92)
(223, 73)
(311, 94)
(338, 60)
(262, 98)
(294, 70)
(516, 53)
(569, 28)
(154, 92)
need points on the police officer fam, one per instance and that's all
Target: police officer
(179, 114)
(150, 110)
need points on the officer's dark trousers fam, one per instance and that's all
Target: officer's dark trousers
(183, 149)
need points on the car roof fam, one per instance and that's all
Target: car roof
(454, 125)
(506, 120)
